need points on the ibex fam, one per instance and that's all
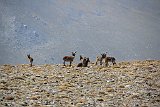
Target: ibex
(80, 57)
(110, 59)
(84, 62)
(100, 58)
(69, 58)
(30, 59)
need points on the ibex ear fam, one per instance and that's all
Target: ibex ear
(89, 59)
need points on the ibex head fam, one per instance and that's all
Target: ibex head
(81, 57)
(103, 55)
(28, 56)
(74, 53)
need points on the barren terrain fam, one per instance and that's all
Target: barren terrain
(127, 84)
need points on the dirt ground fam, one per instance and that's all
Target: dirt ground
(126, 84)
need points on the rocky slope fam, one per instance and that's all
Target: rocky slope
(127, 84)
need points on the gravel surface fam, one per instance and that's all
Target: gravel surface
(127, 84)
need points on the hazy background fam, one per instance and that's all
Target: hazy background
(50, 29)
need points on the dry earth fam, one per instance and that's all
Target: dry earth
(127, 84)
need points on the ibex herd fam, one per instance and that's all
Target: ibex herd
(84, 60)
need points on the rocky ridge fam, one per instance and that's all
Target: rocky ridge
(127, 84)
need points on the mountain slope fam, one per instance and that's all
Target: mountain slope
(48, 30)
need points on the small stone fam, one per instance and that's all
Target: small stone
(4, 88)
(127, 86)
(35, 97)
(110, 89)
(79, 104)
(81, 101)
(9, 98)
(121, 86)
(24, 104)
(135, 95)
(100, 99)
(102, 93)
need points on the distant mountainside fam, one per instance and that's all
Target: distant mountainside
(50, 29)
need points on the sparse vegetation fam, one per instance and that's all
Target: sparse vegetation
(126, 84)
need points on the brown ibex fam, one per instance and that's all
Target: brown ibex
(69, 58)
(84, 62)
(30, 59)
(110, 59)
(80, 57)
(100, 58)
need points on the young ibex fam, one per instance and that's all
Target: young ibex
(84, 62)
(30, 59)
(100, 58)
(69, 58)
(110, 59)
(80, 57)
